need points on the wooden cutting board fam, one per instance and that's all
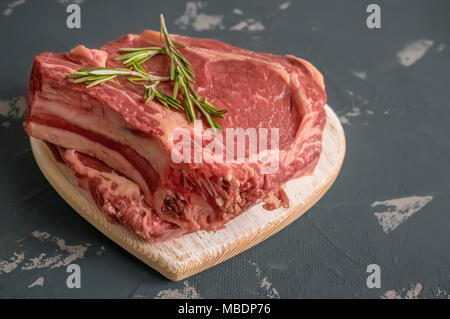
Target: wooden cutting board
(192, 253)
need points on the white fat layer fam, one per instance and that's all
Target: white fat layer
(74, 141)
(112, 126)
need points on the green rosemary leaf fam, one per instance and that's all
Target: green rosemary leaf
(189, 108)
(106, 71)
(136, 57)
(125, 56)
(172, 101)
(184, 74)
(139, 68)
(212, 109)
(101, 80)
(178, 44)
(216, 125)
(138, 49)
(134, 80)
(85, 79)
(161, 99)
(150, 95)
(191, 90)
(213, 123)
(77, 75)
(144, 59)
(176, 86)
(172, 68)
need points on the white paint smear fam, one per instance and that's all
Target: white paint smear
(413, 52)
(399, 210)
(42, 236)
(360, 74)
(440, 48)
(238, 11)
(101, 251)
(194, 17)
(355, 110)
(248, 25)
(284, 5)
(271, 292)
(440, 293)
(12, 109)
(197, 20)
(412, 293)
(6, 266)
(357, 99)
(62, 255)
(239, 26)
(8, 11)
(187, 292)
(256, 26)
(38, 282)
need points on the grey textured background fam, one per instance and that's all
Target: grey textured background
(397, 146)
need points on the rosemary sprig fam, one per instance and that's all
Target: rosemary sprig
(138, 55)
(95, 76)
(180, 72)
(183, 76)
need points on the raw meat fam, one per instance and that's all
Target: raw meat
(112, 124)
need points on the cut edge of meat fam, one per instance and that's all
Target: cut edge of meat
(119, 198)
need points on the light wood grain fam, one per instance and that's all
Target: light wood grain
(183, 257)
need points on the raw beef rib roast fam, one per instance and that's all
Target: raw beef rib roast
(120, 148)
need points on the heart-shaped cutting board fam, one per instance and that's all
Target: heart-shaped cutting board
(192, 253)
